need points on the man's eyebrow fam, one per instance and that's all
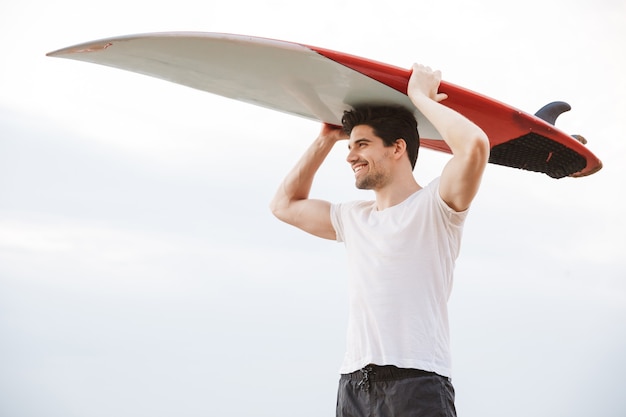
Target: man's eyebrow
(356, 142)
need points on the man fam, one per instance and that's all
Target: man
(401, 248)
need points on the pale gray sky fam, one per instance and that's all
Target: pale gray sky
(141, 272)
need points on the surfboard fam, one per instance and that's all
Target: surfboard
(320, 84)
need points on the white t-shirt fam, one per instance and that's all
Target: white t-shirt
(401, 263)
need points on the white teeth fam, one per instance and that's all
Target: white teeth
(358, 168)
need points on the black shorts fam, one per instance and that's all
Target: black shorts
(388, 391)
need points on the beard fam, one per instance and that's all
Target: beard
(371, 181)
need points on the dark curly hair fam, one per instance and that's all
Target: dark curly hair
(389, 123)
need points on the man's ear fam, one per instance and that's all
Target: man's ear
(399, 147)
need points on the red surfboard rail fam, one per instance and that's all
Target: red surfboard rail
(518, 139)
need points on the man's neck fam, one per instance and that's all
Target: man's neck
(396, 193)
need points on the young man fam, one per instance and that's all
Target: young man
(401, 249)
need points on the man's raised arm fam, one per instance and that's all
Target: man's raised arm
(461, 176)
(292, 204)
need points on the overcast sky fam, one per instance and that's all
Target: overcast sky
(141, 272)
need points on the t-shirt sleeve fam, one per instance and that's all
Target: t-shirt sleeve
(336, 220)
(455, 217)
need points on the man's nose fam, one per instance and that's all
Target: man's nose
(351, 156)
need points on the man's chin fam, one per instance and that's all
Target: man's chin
(363, 185)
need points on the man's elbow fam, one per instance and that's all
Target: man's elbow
(282, 209)
(277, 208)
(478, 147)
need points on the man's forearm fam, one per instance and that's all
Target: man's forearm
(297, 184)
(459, 133)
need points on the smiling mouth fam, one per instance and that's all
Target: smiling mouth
(358, 167)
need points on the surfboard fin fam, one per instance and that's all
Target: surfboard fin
(551, 111)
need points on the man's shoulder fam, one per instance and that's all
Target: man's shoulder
(355, 204)
(352, 208)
